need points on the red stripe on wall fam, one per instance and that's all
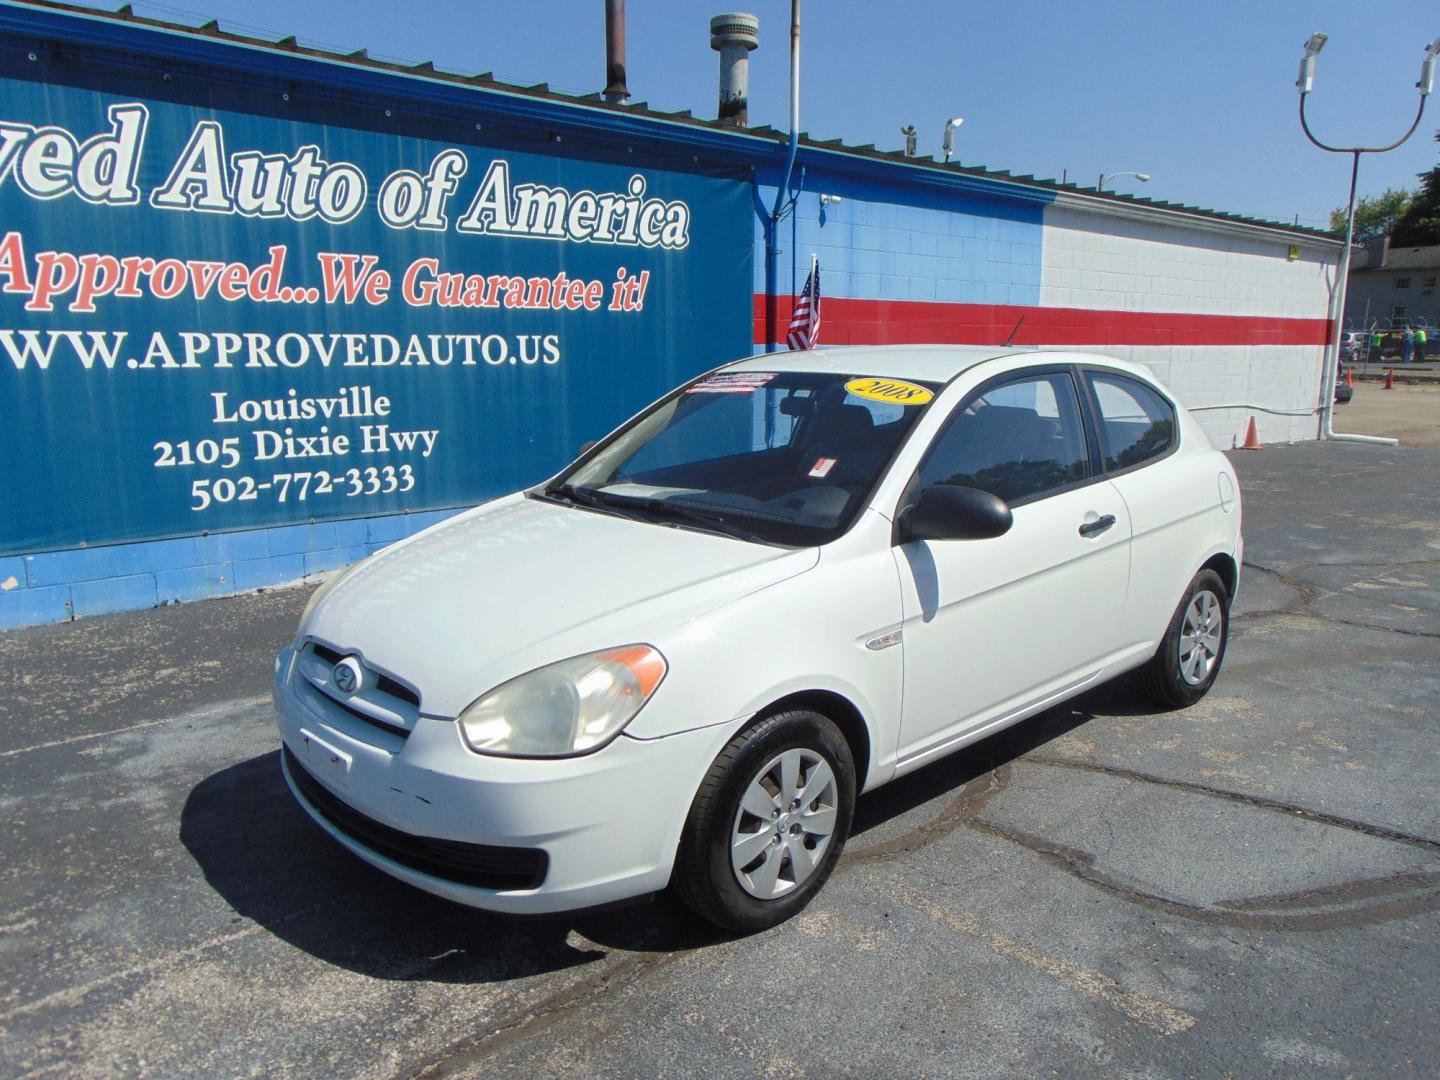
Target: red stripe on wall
(913, 322)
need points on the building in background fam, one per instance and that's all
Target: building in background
(1391, 288)
(265, 309)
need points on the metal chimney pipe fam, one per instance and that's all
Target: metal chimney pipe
(615, 88)
(733, 35)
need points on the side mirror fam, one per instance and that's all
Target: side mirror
(953, 513)
(585, 448)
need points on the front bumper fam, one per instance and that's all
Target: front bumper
(607, 823)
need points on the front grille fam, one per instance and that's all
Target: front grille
(485, 866)
(381, 702)
(394, 729)
(383, 682)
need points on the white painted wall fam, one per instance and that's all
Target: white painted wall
(1099, 261)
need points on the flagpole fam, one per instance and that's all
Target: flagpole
(814, 295)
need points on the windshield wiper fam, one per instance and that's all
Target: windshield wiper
(570, 493)
(593, 499)
(653, 508)
(709, 519)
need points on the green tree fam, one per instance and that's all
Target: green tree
(1420, 224)
(1374, 217)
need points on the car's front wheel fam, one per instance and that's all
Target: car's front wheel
(768, 823)
(1185, 665)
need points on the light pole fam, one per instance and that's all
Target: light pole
(1143, 177)
(947, 144)
(1305, 83)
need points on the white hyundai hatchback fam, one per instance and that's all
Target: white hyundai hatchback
(793, 579)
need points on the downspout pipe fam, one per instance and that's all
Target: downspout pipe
(1337, 325)
(772, 224)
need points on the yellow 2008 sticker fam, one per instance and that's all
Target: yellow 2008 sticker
(892, 390)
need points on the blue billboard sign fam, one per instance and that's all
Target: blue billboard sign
(213, 318)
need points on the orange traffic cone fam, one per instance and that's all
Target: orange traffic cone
(1389, 379)
(1252, 437)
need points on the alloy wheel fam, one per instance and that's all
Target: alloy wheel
(784, 824)
(1200, 637)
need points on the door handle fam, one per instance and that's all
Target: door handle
(1096, 527)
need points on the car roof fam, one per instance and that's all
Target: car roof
(926, 363)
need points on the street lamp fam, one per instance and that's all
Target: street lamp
(1342, 272)
(1143, 177)
(947, 144)
(1313, 45)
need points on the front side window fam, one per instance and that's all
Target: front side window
(1136, 423)
(1020, 440)
(776, 457)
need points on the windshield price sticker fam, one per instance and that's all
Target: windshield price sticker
(892, 391)
(737, 382)
(823, 466)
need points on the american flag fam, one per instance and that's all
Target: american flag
(804, 330)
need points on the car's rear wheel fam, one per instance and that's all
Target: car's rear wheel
(1185, 665)
(768, 823)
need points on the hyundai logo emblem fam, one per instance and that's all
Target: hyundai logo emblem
(348, 675)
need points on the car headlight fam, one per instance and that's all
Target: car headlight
(324, 589)
(572, 707)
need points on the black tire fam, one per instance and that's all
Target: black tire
(1165, 680)
(704, 877)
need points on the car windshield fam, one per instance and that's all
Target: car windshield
(774, 457)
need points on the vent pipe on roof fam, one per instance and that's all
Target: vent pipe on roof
(615, 88)
(733, 35)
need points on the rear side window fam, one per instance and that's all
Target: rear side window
(1136, 424)
(1020, 441)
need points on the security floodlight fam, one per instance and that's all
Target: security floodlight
(1427, 69)
(947, 145)
(1306, 81)
(1143, 177)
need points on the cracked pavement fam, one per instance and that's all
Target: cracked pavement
(1248, 887)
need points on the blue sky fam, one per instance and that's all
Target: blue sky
(1201, 96)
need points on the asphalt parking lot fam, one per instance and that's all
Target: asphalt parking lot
(1250, 887)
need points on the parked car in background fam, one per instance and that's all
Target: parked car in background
(791, 580)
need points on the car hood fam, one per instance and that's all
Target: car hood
(519, 583)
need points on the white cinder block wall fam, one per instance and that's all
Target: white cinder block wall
(1226, 370)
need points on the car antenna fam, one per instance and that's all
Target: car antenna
(1011, 339)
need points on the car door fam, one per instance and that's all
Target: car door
(993, 627)
(1138, 438)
